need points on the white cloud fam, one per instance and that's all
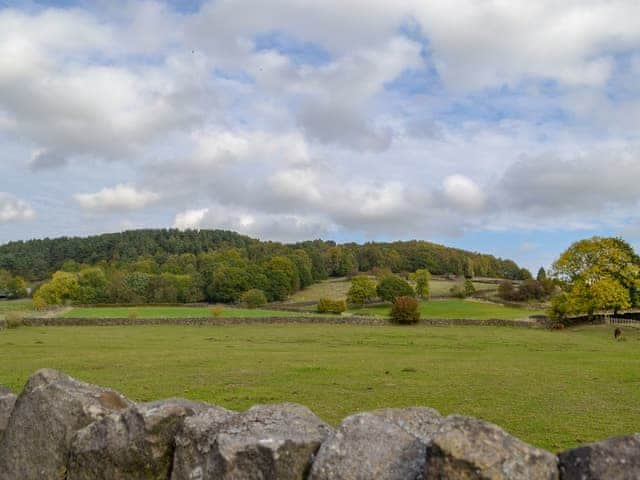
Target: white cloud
(463, 193)
(190, 219)
(120, 197)
(480, 44)
(65, 86)
(551, 185)
(14, 209)
(290, 121)
(280, 227)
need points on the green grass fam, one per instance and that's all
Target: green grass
(552, 389)
(442, 287)
(23, 305)
(337, 288)
(334, 288)
(172, 312)
(457, 308)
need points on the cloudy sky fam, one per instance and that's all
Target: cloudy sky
(509, 127)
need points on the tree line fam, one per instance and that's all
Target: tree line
(37, 260)
(173, 266)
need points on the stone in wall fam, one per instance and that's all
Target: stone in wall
(386, 444)
(48, 412)
(136, 443)
(613, 459)
(266, 442)
(467, 448)
(421, 422)
(7, 401)
(193, 458)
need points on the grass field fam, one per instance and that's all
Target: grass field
(552, 389)
(24, 305)
(337, 289)
(173, 312)
(457, 308)
(441, 288)
(334, 288)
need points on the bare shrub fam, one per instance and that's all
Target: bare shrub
(14, 320)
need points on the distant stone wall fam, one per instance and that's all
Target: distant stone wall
(204, 321)
(62, 428)
(198, 321)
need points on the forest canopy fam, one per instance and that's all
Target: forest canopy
(37, 260)
(174, 266)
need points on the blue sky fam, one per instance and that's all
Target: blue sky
(503, 127)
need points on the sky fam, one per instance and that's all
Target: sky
(508, 127)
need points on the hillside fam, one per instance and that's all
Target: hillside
(38, 259)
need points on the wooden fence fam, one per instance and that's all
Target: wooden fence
(621, 321)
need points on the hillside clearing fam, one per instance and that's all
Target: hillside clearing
(337, 289)
(23, 306)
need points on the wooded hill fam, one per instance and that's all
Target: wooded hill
(37, 259)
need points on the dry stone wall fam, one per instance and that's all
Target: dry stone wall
(60, 428)
(212, 321)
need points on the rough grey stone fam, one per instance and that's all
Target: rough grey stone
(422, 422)
(195, 441)
(136, 443)
(193, 458)
(470, 449)
(267, 442)
(613, 459)
(368, 446)
(51, 408)
(7, 401)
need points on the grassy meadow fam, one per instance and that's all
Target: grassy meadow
(334, 288)
(22, 306)
(441, 309)
(553, 389)
(337, 288)
(457, 308)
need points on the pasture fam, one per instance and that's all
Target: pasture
(555, 389)
(334, 288)
(458, 308)
(22, 306)
(441, 309)
(337, 288)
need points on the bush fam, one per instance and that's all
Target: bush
(528, 290)
(463, 291)
(253, 298)
(381, 272)
(531, 290)
(216, 311)
(405, 311)
(469, 289)
(326, 305)
(392, 287)
(421, 277)
(13, 320)
(362, 290)
(506, 291)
